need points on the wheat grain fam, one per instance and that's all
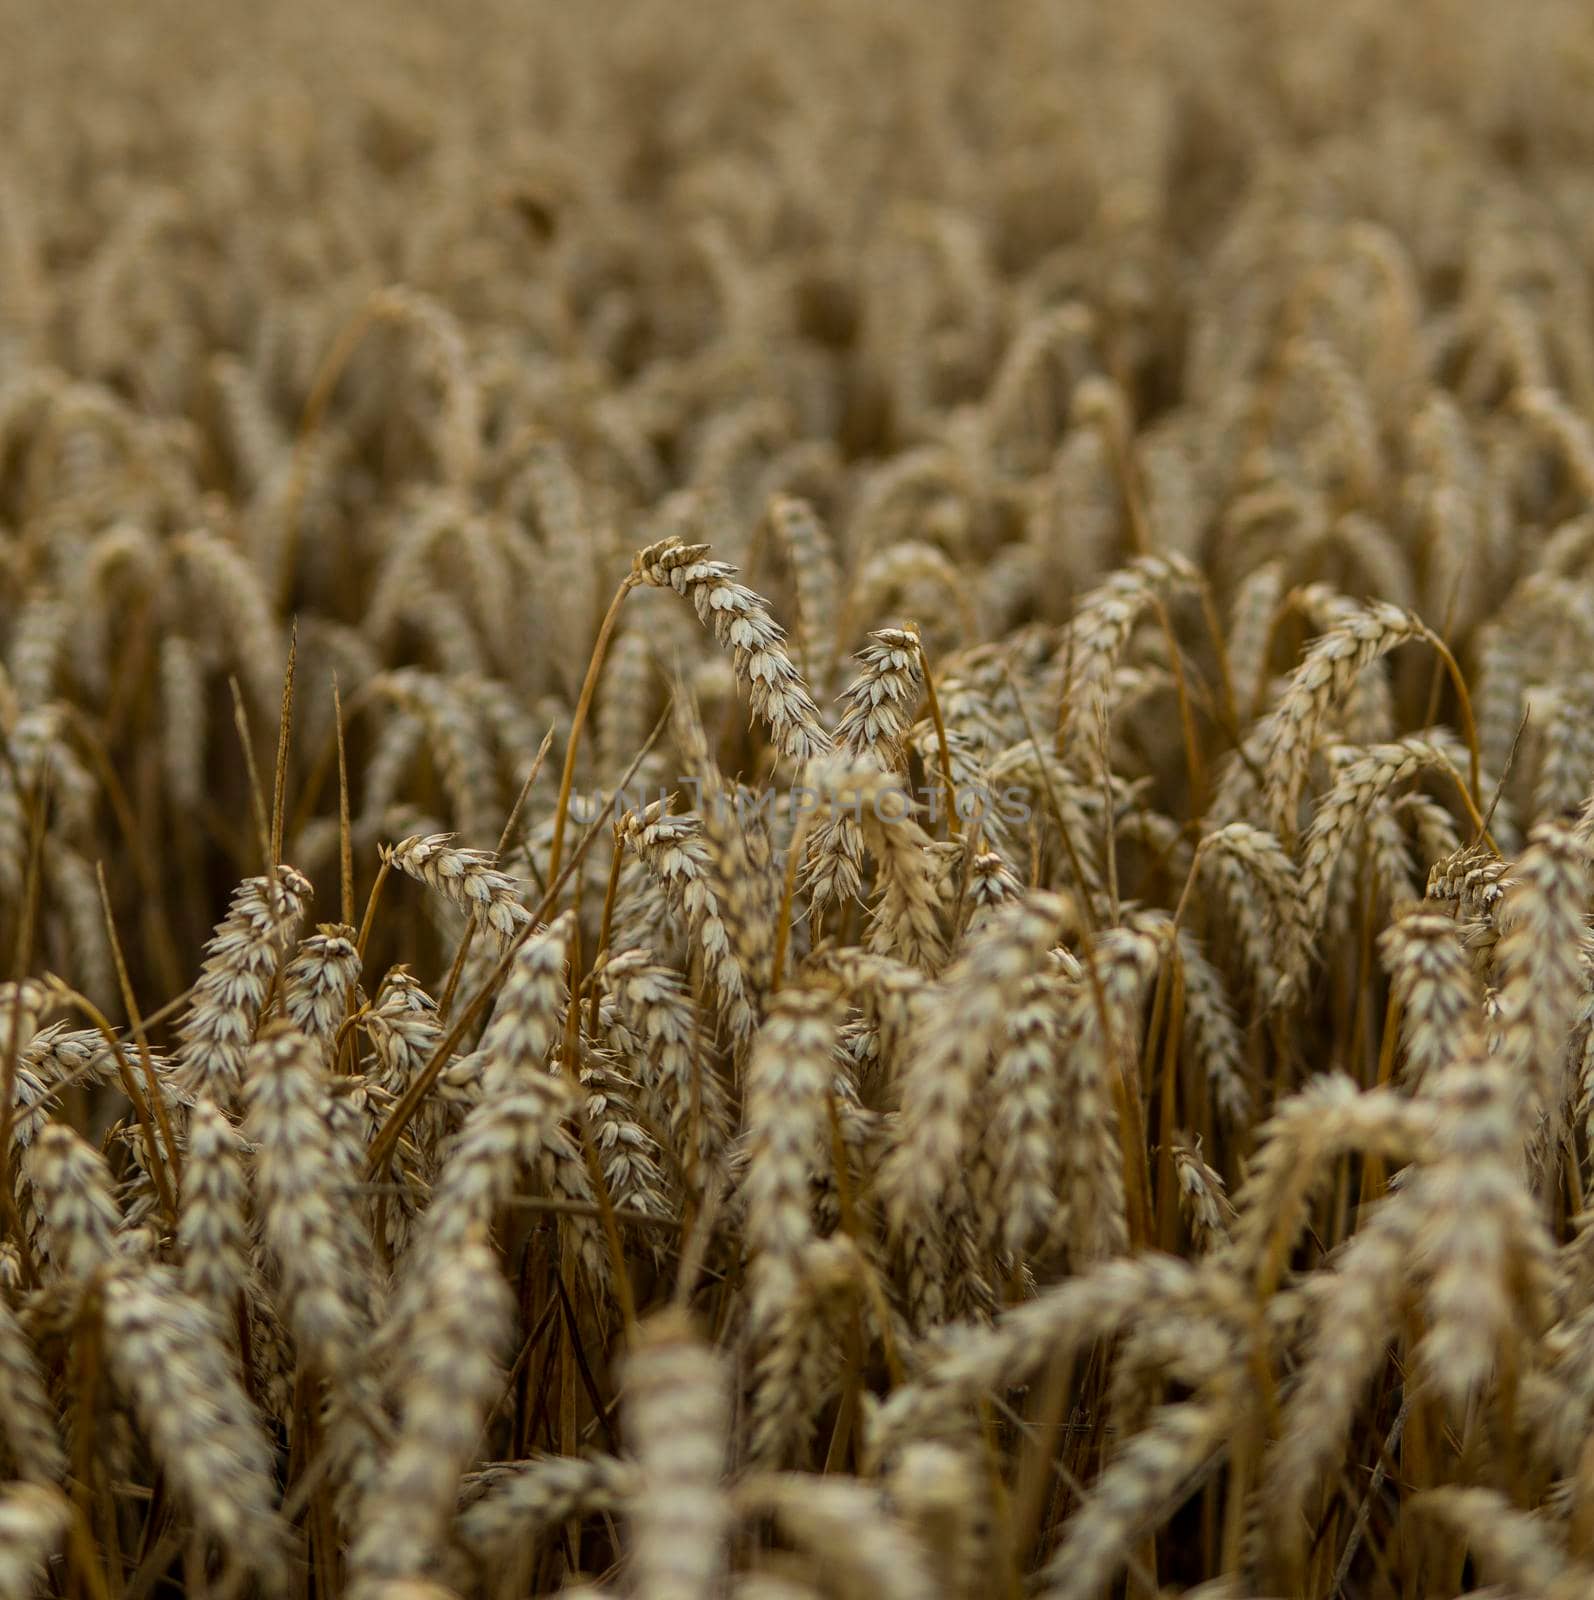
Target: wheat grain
(241, 963)
(168, 1355)
(468, 879)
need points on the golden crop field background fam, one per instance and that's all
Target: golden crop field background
(795, 800)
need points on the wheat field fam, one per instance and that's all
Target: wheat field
(795, 800)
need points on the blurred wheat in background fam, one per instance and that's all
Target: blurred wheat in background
(533, 538)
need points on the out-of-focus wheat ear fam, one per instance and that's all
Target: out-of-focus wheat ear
(182, 700)
(1434, 985)
(1485, 1246)
(256, 438)
(785, 1577)
(818, 585)
(676, 1411)
(1566, 766)
(361, 1588)
(1193, 1346)
(1203, 1198)
(942, 1493)
(1502, 669)
(1136, 1491)
(77, 918)
(787, 1077)
(1538, 968)
(457, 432)
(1331, 666)
(1101, 1071)
(1250, 634)
(890, 995)
(241, 960)
(454, 724)
(1022, 1131)
(499, 1139)
(33, 1520)
(1050, 352)
(846, 1529)
(77, 1206)
(1436, 835)
(28, 1426)
(449, 1376)
(905, 919)
(317, 980)
(213, 1212)
(627, 699)
(1101, 628)
(1357, 1313)
(38, 648)
(1345, 809)
(306, 1183)
(468, 879)
(1299, 1143)
(559, 507)
(224, 588)
(508, 1507)
(528, 1014)
(948, 1066)
(1517, 1547)
(1564, 430)
(746, 883)
(991, 884)
(741, 623)
(167, 1354)
(23, 1004)
(1211, 1034)
(1352, 427)
(963, 1364)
